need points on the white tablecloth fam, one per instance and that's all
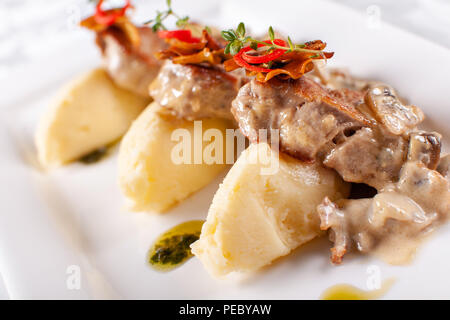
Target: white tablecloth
(57, 20)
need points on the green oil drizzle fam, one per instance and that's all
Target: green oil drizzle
(94, 156)
(172, 248)
(100, 153)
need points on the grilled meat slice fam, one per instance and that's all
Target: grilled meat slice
(307, 115)
(362, 133)
(195, 91)
(369, 156)
(132, 68)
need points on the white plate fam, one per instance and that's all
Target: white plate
(73, 216)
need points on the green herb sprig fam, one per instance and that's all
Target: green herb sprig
(237, 39)
(157, 23)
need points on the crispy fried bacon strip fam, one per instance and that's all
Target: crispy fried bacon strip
(292, 64)
(122, 24)
(208, 50)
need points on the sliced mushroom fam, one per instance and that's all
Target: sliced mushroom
(425, 147)
(444, 166)
(396, 117)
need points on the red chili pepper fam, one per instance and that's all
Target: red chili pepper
(243, 59)
(108, 18)
(182, 35)
(241, 62)
(266, 57)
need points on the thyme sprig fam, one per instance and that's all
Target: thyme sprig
(157, 22)
(237, 39)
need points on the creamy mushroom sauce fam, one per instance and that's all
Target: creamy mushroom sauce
(337, 78)
(409, 205)
(364, 131)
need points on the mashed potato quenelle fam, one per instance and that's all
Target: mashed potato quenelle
(256, 218)
(148, 175)
(187, 91)
(89, 113)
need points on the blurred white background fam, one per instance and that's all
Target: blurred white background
(29, 29)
